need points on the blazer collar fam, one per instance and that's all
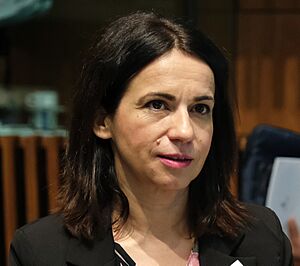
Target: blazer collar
(215, 251)
(99, 252)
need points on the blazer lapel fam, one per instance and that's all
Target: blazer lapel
(216, 251)
(99, 252)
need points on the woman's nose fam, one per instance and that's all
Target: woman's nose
(181, 128)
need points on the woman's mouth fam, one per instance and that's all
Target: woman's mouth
(175, 160)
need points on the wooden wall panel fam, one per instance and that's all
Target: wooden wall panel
(9, 185)
(269, 4)
(28, 192)
(267, 70)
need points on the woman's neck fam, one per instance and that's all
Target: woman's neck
(156, 231)
(154, 213)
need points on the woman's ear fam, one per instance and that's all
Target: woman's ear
(102, 126)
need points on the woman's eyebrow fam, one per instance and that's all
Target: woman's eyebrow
(167, 96)
(204, 98)
(171, 97)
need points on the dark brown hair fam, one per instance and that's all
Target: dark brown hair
(91, 189)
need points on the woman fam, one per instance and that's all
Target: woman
(151, 150)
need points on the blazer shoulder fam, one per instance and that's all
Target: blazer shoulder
(262, 214)
(46, 228)
(265, 237)
(34, 243)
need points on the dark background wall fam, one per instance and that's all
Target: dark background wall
(261, 38)
(47, 51)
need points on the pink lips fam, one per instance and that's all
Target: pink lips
(175, 160)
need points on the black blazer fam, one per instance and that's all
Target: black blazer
(46, 242)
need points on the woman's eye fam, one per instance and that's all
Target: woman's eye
(201, 109)
(156, 105)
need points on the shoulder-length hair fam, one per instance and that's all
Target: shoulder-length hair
(90, 190)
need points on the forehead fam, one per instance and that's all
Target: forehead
(175, 70)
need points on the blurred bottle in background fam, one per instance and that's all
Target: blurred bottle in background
(43, 107)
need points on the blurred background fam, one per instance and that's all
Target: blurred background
(43, 42)
(42, 51)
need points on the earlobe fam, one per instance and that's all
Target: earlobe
(102, 128)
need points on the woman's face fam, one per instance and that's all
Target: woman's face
(162, 129)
